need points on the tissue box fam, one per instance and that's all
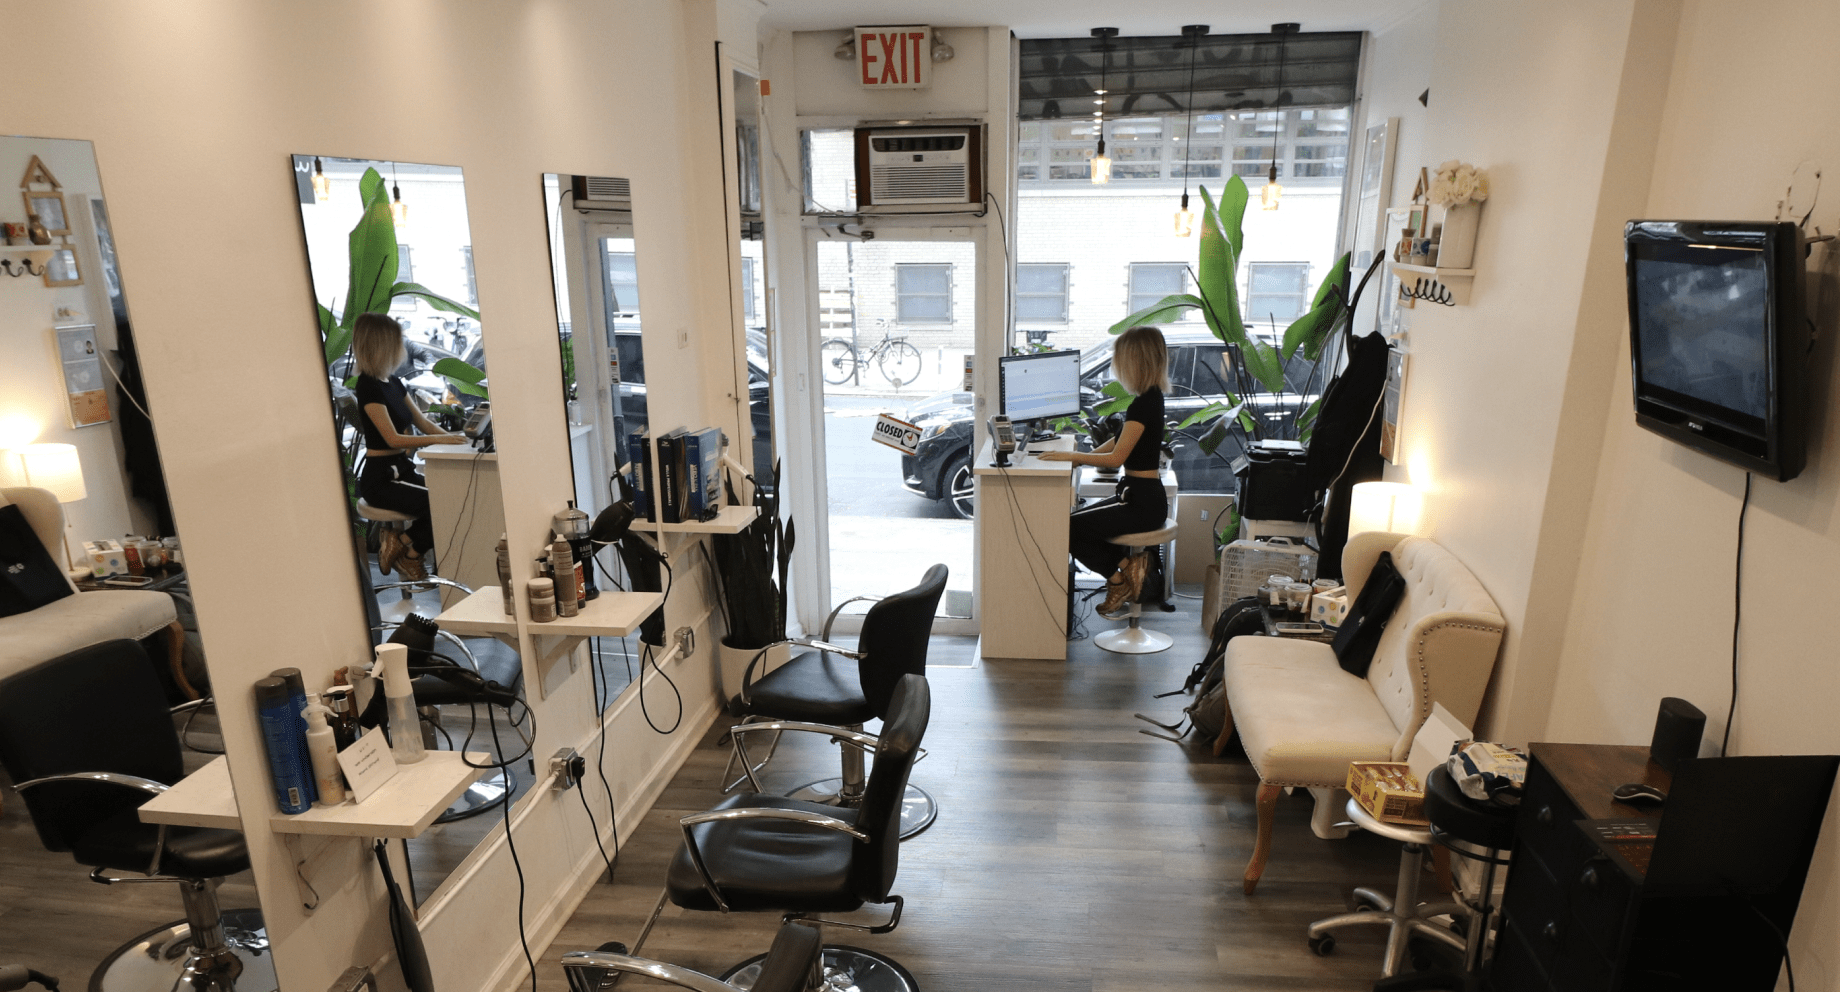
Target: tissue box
(1330, 608)
(1388, 790)
(105, 558)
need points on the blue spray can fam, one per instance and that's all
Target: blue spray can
(286, 746)
(297, 700)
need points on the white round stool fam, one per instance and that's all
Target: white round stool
(397, 521)
(1133, 639)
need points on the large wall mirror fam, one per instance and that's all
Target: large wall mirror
(79, 467)
(397, 314)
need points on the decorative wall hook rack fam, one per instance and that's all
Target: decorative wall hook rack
(1428, 290)
(1444, 287)
(25, 267)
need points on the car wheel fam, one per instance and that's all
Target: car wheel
(957, 486)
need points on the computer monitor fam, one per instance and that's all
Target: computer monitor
(1041, 386)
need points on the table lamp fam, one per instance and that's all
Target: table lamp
(1391, 507)
(54, 467)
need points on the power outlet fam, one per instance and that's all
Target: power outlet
(686, 642)
(568, 767)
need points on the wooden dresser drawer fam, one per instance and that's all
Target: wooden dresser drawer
(1599, 897)
(1516, 967)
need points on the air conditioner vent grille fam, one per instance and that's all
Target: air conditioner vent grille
(948, 183)
(606, 188)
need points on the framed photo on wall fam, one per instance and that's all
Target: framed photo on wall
(1394, 398)
(1370, 212)
(49, 206)
(61, 268)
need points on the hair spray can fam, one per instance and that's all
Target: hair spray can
(568, 578)
(297, 701)
(285, 746)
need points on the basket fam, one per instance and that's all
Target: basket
(1389, 791)
(1245, 564)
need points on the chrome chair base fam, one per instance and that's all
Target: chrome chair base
(481, 797)
(918, 808)
(1133, 640)
(161, 960)
(846, 969)
(1403, 916)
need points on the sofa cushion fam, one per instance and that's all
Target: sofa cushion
(78, 621)
(1300, 717)
(1410, 667)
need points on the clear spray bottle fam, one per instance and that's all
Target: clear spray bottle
(405, 724)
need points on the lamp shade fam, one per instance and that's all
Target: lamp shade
(54, 467)
(1392, 507)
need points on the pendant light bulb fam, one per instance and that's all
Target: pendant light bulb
(1101, 162)
(399, 211)
(1185, 220)
(1269, 196)
(1101, 166)
(322, 187)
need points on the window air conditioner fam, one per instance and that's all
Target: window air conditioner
(600, 193)
(897, 166)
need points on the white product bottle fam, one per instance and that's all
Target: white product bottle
(323, 749)
(405, 723)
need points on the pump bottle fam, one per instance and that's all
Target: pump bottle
(405, 724)
(323, 749)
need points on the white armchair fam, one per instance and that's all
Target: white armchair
(1302, 718)
(78, 621)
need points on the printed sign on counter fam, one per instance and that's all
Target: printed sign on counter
(368, 764)
(897, 434)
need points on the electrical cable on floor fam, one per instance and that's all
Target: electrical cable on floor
(505, 808)
(1737, 613)
(185, 732)
(1040, 555)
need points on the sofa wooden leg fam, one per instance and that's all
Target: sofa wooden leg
(1261, 849)
(175, 657)
(1226, 727)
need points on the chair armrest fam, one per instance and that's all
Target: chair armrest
(580, 966)
(108, 778)
(838, 610)
(868, 742)
(813, 642)
(689, 824)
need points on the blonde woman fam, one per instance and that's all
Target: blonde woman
(389, 480)
(1140, 361)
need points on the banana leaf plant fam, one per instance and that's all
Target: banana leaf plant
(373, 285)
(1223, 241)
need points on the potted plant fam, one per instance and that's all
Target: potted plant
(751, 573)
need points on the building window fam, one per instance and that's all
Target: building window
(1151, 281)
(405, 272)
(923, 293)
(622, 286)
(1041, 293)
(1277, 291)
(1310, 144)
(747, 289)
(472, 287)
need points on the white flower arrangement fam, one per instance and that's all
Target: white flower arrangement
(1459, 182)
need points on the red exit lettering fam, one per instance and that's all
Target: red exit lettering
(892, 58)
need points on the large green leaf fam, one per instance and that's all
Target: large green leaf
(1210, 441)
(1221, 239)
(1167, 308)
(373, 252)
(1120, 399)
(335, 336)
(1220, 410)
(463, 377)
(1313, 328)
(1263, 362)
(434, 299)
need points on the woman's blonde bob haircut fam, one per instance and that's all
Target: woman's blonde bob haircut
(377, 345)
(1141, 360)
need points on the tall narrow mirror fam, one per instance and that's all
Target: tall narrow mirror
(397, 313)
(92, 581)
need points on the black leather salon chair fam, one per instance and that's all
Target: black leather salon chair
(1477, 831)
(846, 688)
(763, 853)
(87, 739)
(791, 965)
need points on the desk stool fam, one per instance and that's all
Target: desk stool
(1402, 914)
(1133, 639)
(399, 522)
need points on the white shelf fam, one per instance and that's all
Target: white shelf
(1456, 281)
(481, 614)
(731, 520)
(614, 614)
(402, 808)
(201, 799)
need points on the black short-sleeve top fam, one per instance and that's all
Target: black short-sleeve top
(394, 396)
(1146, 409)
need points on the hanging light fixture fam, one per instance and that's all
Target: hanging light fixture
(1101, 163)
(1268, 197)
(1185, 218)
(322, 187)
(399, 211)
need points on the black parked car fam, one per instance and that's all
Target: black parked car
(942, 467)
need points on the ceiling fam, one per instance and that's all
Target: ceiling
(1074, 18)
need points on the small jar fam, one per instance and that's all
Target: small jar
(1297, 597)
(542, 600)
(173, 554)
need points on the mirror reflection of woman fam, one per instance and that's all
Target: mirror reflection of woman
(389, 480)
(1140, 360)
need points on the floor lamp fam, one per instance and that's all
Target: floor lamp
(54, 467)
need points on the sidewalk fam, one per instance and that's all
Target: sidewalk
(875, 556)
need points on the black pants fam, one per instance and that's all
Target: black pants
(1139, 505)
(392, 483)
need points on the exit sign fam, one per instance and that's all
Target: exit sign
(897, 57)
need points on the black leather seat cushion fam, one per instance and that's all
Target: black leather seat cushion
(124, 843)
(815, 686)
(1482, 824)
(769, 865)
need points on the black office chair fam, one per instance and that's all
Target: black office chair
(844, 688)
(1477, 831)
(760, 853)
(790, 965)
(87, 739)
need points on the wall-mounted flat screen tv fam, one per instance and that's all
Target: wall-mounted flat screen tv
(1717, 338)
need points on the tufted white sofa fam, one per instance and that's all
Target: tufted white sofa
(1302, 719)
(30, 639)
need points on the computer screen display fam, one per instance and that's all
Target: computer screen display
(1041, 386)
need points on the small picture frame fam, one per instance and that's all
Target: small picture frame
(49, 206)
(61, 268)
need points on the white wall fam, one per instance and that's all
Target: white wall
(201, 104)
(1651, 614)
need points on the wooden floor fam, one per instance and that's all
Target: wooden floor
(1071, 852)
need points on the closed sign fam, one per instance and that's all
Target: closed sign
(897, 434)
(895, 58)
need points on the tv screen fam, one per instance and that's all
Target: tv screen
(1717, 338)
